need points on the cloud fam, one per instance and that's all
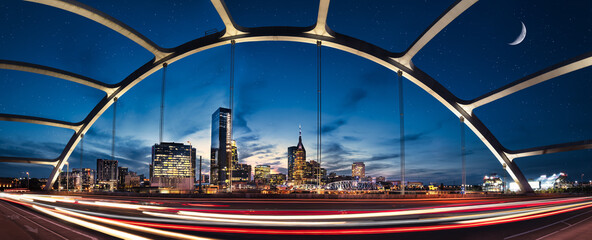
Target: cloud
(351, 138)
(332, 126)
(352, 98)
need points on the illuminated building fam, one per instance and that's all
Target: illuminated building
(107, 174)
(493, 183)
(358, 170)
(241, 173)
(299, 161)
(121, 172)
(106, 170)
(131, 180)
(277, 179)
(6, 183)
(221, 147)
(172, 166)
(291, 159)
(262, 173)
(545, 183)
(85, 178)
(312, 174)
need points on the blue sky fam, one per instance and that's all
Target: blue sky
(276, 85)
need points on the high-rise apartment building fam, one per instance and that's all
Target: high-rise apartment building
(173, 166)
(221, 149)
(106, 170)
(358, 170)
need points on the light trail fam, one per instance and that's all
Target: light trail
(167, 221)
(93, 226)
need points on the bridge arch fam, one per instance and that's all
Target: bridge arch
(397, 62)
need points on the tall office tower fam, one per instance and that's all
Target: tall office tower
(262, 173)
(358, 170)
(291, 158)
(172, 166)
(221, 147)
(121, 172)
(299, 161)
(106, 170)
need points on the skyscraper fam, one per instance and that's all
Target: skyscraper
(358, 170)
(221, 147)
(291, 158)
(173, 166)
(299, 161)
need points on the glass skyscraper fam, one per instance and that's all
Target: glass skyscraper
(173, 166)
(291, 158)
(221, 150)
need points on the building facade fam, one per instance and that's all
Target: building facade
(241, 173)
(358, 170)
(291, 159)
(173, 166)
(106, 170)
(121, 172)
(262, 174)
(277, 179)
(221, 148)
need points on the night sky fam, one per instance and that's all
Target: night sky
(276, 85)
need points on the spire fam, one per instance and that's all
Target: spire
(300, 145)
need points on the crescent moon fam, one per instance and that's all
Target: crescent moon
(520, 37)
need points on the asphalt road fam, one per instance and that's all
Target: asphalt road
(535, 217)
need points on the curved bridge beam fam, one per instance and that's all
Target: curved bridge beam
(40, 121)
(551, 72)
(441, 22)
(43, 161)
(57, 73)
(107, 21)
(563, 147)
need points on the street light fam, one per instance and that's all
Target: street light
(28, 187)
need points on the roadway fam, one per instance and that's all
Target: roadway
(104, 217)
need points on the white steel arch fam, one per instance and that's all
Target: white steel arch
(319, 32)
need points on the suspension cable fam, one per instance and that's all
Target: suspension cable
(319, 109)
(402, 131)
(113, 134)
(164, 67)
(462, 152)
(231, 103)
(81, 150)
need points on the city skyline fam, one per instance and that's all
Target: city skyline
(360, 119)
